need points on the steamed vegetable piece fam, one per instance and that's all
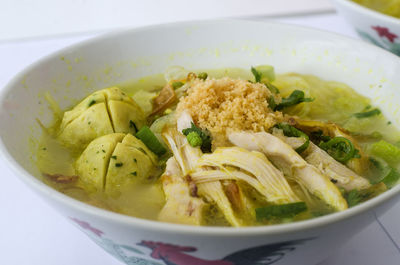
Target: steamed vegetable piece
(382, 172)
(387, 151)
(291, 164)
(115, 160)
(263, 73)
(103, 112)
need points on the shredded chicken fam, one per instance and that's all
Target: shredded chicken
(292, 164)
(263, 176)
(180, 206)
(187, 157)
(358, 165)
(340, 175)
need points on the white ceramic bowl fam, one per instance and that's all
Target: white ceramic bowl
(374, 27)
(72, 73)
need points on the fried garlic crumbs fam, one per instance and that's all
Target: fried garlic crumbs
(226, 104)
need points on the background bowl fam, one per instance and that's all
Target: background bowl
(374, 27)
(72, 73)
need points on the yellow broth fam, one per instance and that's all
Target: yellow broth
(333, 101)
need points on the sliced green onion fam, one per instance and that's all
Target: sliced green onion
(340, 148)
(150, 140)
(296, 97)
(92, 102)
(263, 72)
(291, 131)
(367, 114)
(202, 76)
(281, 211)
(176, 85)
(204, 135)
(194, 139)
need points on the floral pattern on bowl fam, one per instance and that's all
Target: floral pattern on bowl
(384, 39)
(171, 254)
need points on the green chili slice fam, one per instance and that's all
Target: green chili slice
(340, 148)
(366, 114)
(291, 131)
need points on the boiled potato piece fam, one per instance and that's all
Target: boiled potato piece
(92, 165)
(106, 111)
(111, 162)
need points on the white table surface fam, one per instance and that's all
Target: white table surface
(33, 233)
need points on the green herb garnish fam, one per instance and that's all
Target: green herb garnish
(134, 173)
(271, 103)
(296, 97)
(366, 114)
(150, 140)
(291, 131)
(272, 88)
(340, 148)
(119, 164)
(204, 136)
(281, 211)
(92, 102)
(114, 157)
(176, 85)
(202, 76)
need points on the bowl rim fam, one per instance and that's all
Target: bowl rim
(139, 223)
(363, 9)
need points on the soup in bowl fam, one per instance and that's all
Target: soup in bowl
(277, 149)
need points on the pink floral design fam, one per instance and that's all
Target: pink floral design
(87, 226)
(384, 32)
